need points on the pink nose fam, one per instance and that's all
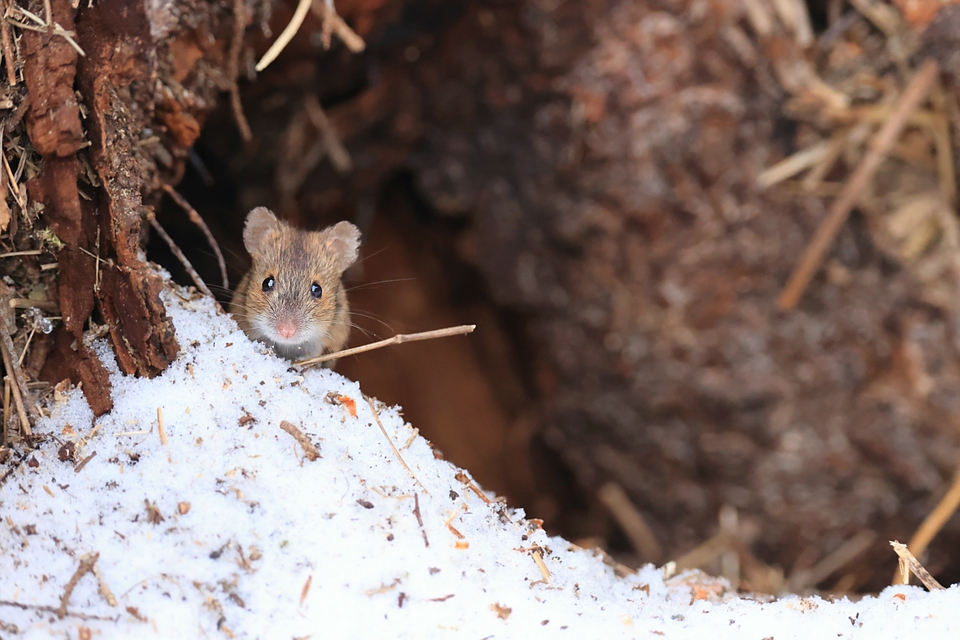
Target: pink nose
(287, 328)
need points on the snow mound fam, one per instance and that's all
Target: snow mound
(219, 524)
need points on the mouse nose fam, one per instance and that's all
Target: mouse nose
(288, 328)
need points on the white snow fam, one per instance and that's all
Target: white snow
(257, 541)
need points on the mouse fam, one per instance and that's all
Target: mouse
(292, 298)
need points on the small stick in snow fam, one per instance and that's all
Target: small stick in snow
(376, 416)
(465, 479)
(909, 564)
(86, 566)
(306, 587)
(104, 589)
(416, 512)
(538, 558)
(309, 449)
(933, 523)
(163, 432)
(397, 339)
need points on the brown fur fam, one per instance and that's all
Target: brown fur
(296, 259)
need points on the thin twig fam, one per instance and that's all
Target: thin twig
(197, 280)
(163, 432)
(338, 154)
(286, 35)
(309, 449)
(912, 96)
(467, 480)
(832, 562)
(8, 55)
(233, 69)
(332, 21)
(86, 566)
(416, 512)
(538, 559)
(934, 522)
(376, 416)
(197, 219)
(616, 500)
(26, 303)
(12, 254)
(909, 564)
(397, 339)
(6, 346)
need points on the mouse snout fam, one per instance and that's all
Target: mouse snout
(288, 327)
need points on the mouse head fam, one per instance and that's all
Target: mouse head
(294, 294)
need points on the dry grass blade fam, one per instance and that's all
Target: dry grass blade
(397, 339)
(911, 98)
(909, 564)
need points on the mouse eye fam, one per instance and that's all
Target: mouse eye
(268, 284)
(315, 290)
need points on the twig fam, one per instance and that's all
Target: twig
(163, 432)
(196, 219)
(538, 558)
(6, 437)
(338, 154)
(309, 449)
(376, 416)
(104, 589)
(934, 522)
(837, 559)
(6, 346)
(197, 280)
(26, 303)
(332, 21)
(86, 566)
(233, 69)
(909, 564)
(794, 164)
(616, 500)
(11, 254)
(912, 96)
(7, 39)
(48, 609)
(416, 512)
(286, 35)
(397, 339)
(465, 479)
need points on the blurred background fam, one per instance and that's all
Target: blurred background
(616, 193)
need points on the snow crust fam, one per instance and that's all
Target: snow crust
(228, 530)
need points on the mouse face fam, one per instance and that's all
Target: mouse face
(292, 298)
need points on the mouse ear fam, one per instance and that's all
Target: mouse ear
(344, 243)
(260, 225)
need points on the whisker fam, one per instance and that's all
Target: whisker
(370, 284)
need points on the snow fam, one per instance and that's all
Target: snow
(258, 541)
